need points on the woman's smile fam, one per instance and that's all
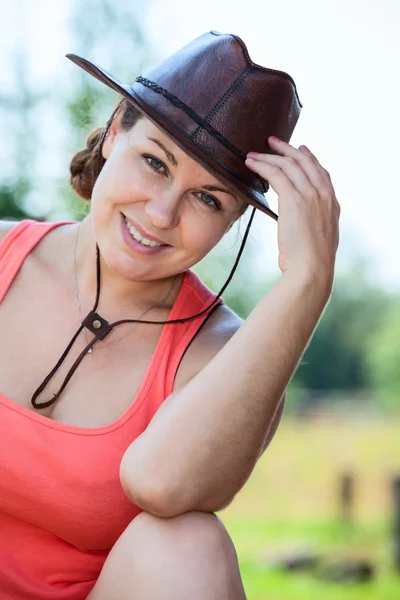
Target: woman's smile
(137, 241)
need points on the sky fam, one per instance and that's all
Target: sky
(344, 57)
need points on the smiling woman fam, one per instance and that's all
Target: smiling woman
(114, 463)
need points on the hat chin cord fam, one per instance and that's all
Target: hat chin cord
(100, 327)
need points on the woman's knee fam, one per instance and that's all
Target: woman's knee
(196, 542)
(190, 530)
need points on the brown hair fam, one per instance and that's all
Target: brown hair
(84, 165)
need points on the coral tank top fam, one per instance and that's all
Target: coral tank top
(62, 506)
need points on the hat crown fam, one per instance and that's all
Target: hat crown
(201, 70)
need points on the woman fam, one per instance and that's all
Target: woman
(108, 498)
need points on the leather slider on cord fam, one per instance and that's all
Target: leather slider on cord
(97, 325)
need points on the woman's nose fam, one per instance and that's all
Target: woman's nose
(163, 211)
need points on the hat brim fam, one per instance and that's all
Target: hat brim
(232, 182)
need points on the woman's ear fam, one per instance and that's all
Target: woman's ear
(111, 135)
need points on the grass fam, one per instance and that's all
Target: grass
(259, 541)
(277, 586)
(291, 502)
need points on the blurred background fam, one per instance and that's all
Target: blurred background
(320, 514)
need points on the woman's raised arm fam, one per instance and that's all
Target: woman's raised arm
(201, 450)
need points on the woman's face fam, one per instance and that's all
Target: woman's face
(165, 195)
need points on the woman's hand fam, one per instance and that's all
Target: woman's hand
(308, 232)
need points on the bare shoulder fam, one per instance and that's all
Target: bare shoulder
(5, 227)
(219, 327)
(211, 338)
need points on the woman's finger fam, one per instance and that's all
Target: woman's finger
(306, 152)
(278, 180)
(293, 170)
(316, 174)
(283, 147)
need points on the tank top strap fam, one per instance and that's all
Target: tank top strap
(194, 297)
(16, 245)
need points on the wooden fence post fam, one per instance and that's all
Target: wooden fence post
(346, 498)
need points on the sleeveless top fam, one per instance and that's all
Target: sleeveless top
(62, 506)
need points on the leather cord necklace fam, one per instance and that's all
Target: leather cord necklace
(101, 328)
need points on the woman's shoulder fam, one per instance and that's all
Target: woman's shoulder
(222, 322)
(210, 339)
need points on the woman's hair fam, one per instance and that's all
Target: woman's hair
(84, 165)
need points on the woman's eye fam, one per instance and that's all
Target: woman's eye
(155, 164)
(209, 200)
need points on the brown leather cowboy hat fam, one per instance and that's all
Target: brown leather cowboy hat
(217, 105)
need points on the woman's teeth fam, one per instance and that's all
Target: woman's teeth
(138, 237)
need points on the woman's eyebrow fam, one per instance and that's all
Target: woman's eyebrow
(168, 154)
(173, 161)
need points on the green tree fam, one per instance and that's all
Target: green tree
(18, 110)
(336, 356)
(383, 356)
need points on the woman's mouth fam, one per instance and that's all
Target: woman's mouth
(137, 241)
